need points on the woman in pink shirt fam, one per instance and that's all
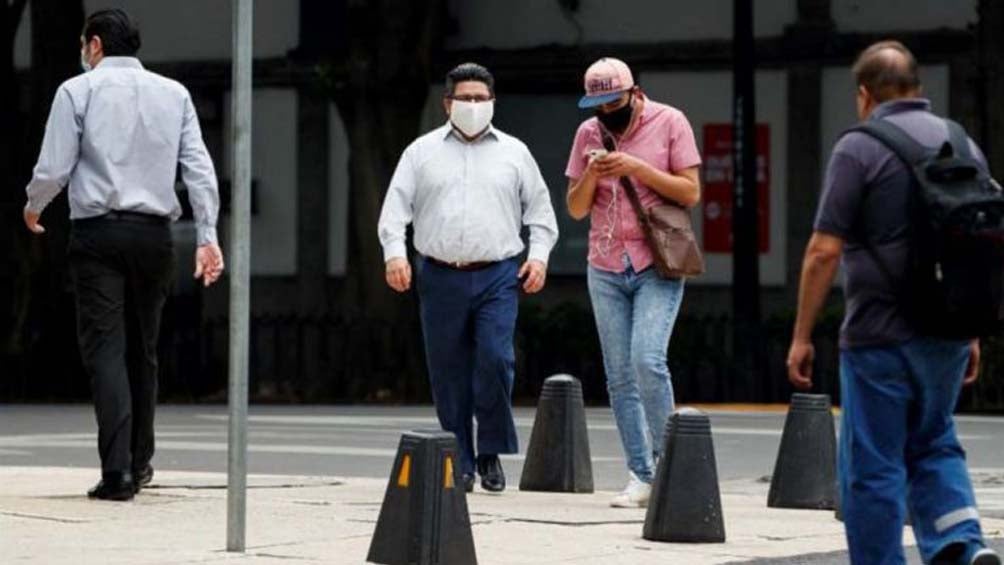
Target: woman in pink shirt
(634, 307)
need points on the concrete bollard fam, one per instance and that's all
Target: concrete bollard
(424, 518)
(557, 459)
(805, 472)
(686, 505)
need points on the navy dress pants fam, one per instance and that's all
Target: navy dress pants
(468, 320)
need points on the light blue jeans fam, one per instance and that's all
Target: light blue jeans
(635, 313)
(899, 452)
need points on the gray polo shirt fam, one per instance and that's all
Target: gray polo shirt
(873, 317)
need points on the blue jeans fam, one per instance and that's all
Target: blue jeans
(468, 321)
(898, 450)
(635, 313)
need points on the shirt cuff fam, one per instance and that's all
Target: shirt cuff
(539, 252)
(35, 206)
(395, 249)
(206, 235)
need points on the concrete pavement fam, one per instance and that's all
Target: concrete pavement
(328, 516)
(45, 518)
(181, 519)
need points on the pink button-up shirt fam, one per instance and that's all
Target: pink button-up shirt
(663, 138)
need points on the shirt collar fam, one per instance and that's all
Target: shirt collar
(900, 105)
(449, 130)
(120, 63)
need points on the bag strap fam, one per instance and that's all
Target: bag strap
(911, 152)
(908, 149)
(959, 139)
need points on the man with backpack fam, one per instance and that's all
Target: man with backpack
(909, 208)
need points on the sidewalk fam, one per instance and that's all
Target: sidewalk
(46, 518)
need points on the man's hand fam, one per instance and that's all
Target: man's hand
(973, 369)
(535, 272)
(208, 263)
(800, 357)
(617, 164)
(31, 220)
(399, 274)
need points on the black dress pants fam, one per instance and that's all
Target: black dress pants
(122, 267)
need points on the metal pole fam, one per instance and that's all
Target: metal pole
(240, 250)
(745, 235)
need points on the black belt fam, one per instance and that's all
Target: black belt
(123, 216)
(461, 265)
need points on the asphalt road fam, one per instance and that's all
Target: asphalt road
(360, 441)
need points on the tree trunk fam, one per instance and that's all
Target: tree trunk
(42, 274)
(10, 127)
(10, 20)
(380, 89)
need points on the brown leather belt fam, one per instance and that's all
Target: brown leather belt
(461, 265)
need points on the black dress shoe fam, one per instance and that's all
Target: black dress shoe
(468, 480)
(142, 477)
(492, 476)
(113, 486)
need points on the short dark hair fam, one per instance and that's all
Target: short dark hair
(119, 35)
(468, 72)
(887, 70)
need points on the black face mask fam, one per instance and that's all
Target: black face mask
(618, 120)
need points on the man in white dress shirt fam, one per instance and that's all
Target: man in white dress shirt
(468, 189)
(117, 135)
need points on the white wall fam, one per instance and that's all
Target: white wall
(706, 97)
(194, 30)
(838, 109)
(338, 193)
(903, 15)
(274, 169)
(506, 24)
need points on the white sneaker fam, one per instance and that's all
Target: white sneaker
(634, 495)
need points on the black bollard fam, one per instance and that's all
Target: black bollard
(424, 518)
(557, 459)
(806, 469)
(686, 505)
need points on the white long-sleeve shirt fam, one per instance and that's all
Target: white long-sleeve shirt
(118, 135)
(468, 200)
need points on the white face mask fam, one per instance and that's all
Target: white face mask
(471, 118)
(84, 64)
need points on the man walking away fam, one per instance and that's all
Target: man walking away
(117, 135)
(905, 349)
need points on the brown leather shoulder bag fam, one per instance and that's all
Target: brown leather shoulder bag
(668, 230)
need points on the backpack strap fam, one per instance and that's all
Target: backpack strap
(959, 139)
(908, 149)
(911, 152)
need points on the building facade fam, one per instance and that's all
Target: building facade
(538, 49)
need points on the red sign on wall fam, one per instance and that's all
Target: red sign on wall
(717, 193)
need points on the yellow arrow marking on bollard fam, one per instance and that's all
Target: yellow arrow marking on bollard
(448, 473)
(404, 476)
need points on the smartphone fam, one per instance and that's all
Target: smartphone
(596, 154)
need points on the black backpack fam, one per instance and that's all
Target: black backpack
(953, 284)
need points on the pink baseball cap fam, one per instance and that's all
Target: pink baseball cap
(605, 80)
